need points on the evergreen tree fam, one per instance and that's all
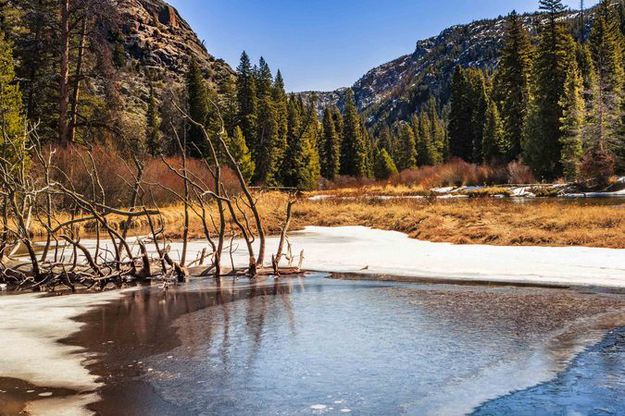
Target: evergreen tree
(493, 148)
(467, 114)
(369, 148)
(330, 147)
(460, 115)
(301, 168)
(387, 141)
(153, 126)
(555, 57)
(12, 123)
(282, 115)
(268, 151)
(572, 125)
(439, 136)
(407, 151)
(198, 110)
(606, 50)
(426, 153)
(384, 166)
(264, 79)
(248, 101)
(267, 157)
(512, 82)
(242, 155)
(338, 121)
(353, 147)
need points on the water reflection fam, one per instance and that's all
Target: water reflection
(313, 345)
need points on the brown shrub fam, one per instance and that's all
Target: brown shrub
(597, 168)
(116, 172)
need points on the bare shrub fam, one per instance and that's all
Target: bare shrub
(518, 173)
(75, 165)
(597, 168)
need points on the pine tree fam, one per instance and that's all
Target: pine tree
(264, 79)
(438, 134)
(512, 82)
(198, 110)
(572, 125)
(460, 137)
(266, 158)
(384, 166)
(555, 58)
(282, 115)
(493, 148)
(12, 123)
(407, 151)
(301, 168)
(153, 126)
(268, 151)
(248, 101)
(353, 149)
(426, 154)
(330, 147)
(467, 114)
(387, 141)
(242, 155)
(606, 50)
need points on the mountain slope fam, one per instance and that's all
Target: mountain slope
(395, 90)
(157, 43)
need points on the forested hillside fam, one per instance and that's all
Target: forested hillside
(86, 67)
(545, 90)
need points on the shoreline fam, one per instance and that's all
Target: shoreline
(81, 399)
(477, 282)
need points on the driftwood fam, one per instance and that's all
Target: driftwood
(62, 259)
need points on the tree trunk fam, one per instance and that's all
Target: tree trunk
(64, 74)
(77, 78)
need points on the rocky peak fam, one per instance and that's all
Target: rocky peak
(158, 38)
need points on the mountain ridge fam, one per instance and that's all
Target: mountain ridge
(396, 89)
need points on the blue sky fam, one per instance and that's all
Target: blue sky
(327, 44)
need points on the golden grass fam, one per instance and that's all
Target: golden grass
(467, 221)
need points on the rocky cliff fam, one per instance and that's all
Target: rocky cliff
(157, 44)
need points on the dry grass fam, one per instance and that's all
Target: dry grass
(479, 221)
(467, 221)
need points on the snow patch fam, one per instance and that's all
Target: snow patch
(32, 326)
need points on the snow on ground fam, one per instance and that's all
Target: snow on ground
(31, 328)
(31, 325)
(377, 252)
(351, 249)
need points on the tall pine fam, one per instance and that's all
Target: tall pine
(12, 127)
(572, 125)
(267, 153)
(555, 57)
(512, 82)
(198, 110)
(354, 156)
(407, 149)
(493, 147)
(330, 147)
(606, 50)
(153, 142)
(241, 154)
(301, 168)
(247, 100)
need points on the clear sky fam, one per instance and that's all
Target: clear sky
(327, 44)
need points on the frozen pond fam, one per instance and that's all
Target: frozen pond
(314, 345)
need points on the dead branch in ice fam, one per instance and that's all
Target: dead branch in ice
(63, 258)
